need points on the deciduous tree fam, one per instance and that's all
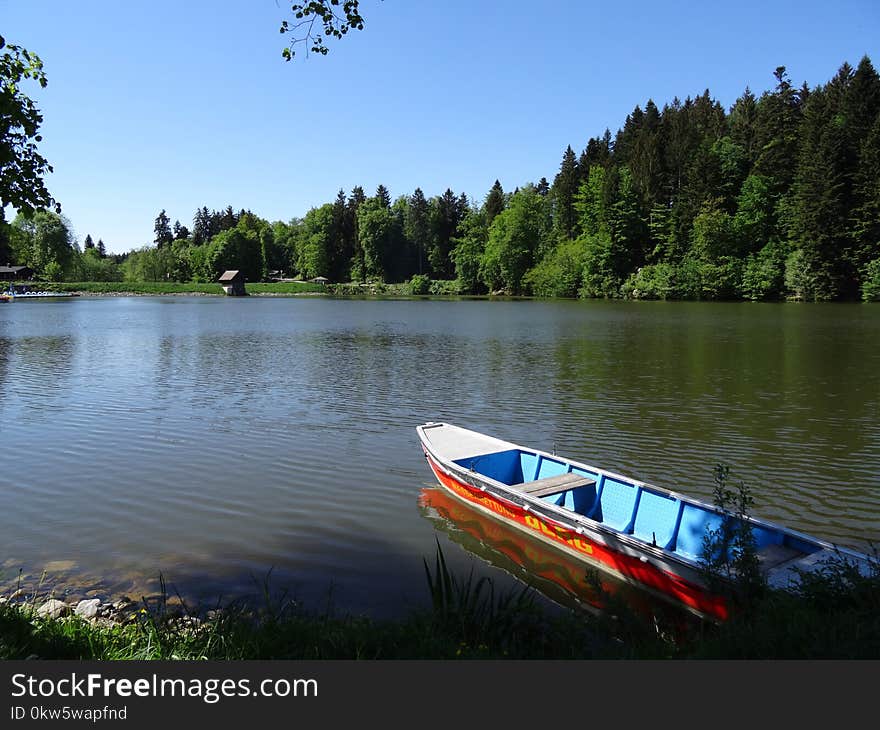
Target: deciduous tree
(22, 167)
(317, 20)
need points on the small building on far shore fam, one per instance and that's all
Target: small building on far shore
(16, 273)
(233, 283)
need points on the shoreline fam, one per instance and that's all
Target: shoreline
(58, 594)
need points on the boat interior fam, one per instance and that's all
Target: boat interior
(651, 515)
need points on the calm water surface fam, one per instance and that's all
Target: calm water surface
(221, 441)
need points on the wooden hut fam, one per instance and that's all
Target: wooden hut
(233, 283)
(16, 273)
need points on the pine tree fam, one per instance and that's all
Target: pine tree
(227, 219)
(742, 120)
(860, 110)
(819, 212)
(417, 227)
(563, 192)
(861, 104)
(180, 232)
(447, 213)
(383, 196)
(162, 229)
(646, 162)
(342, 246)
(201, 226)
(597, 152)
(624, 142)
(627, 229)
(356, 198)
(403, 258)
(776, 134)
(89, 243)
(494, 202)
(865, 217)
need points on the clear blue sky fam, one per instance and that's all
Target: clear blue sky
(177, 104)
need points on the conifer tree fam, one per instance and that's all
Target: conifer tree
(597, 152)
(201, 226)
(776, 134)
(563, 192)
(494, 202)
(447, 213)
(417, 227)
(623, 142)
(865, 218)
(819, 212)
(162, 230)
(383, 196)
(742, 120)
(180, 232)
(342, 245)
(227, 219)
(356, 198)
(646, 162)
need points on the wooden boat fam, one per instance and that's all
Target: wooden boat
(641, 533)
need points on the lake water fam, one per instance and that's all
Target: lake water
(227, 442)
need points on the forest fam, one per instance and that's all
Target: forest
(776, 198)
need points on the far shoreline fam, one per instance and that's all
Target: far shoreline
(441, 290)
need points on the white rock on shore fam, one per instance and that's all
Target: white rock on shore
(87, 608)
(53, 608)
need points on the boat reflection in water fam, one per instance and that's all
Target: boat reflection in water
(561, 579)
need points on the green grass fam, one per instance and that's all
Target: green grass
(286, 288)
(243, 633)
(135, 287)
(160, 287)
(832, 615)
(467, 619)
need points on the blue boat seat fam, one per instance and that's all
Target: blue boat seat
(616, 505)
(657, 517)
(580, 499)
(695, 524)
(550, 468)
(528, 467)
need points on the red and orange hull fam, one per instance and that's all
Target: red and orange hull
(589, 548)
